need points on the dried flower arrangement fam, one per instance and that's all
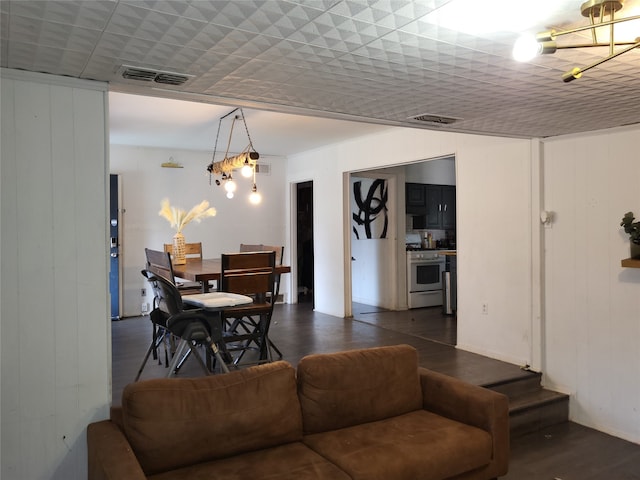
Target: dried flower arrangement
(179, 218)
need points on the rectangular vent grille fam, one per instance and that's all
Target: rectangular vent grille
(146, 75)
(435, 119)
(138, 74)
(263, 168)
(170, 79)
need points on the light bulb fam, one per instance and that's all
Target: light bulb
(229, 194)
(247, 169)
(525, 48)
(255, 197)
(230, 185)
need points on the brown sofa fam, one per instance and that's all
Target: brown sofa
(361, 414)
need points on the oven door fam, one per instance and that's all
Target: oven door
(426, 275)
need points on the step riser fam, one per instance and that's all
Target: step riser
(541, 410)
(536, 418)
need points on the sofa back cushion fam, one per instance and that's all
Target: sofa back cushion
(342, 389)
(172, 423)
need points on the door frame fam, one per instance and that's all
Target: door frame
(392, 232)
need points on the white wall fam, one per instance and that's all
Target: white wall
(54, 300)
(493, 196)
(593, 304)
(145, 183)
(439, 171)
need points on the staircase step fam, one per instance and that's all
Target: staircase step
(536, 410)
(531, 407)
(526, 381)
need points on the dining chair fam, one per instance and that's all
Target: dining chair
(279, 251)
(160, 263)
(247, 326)
(194, 327)
(159, 334)
(191, 250)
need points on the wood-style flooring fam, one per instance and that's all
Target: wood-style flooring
(563, 452)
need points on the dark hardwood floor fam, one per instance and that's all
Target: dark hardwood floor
(563, 452)
(428, 323)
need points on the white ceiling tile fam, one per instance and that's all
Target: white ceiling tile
(380, 60)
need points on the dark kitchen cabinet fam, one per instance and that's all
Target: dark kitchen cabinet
(415, 199)
(436, 203)
(449, 207)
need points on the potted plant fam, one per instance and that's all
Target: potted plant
(633, 229)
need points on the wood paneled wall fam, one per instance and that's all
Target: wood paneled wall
(592, 303)
(54, 295)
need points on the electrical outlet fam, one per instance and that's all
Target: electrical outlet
(143, 292)
(485, 308)
(145, 307)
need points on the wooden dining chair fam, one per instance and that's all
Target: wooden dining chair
(279, 251)
(160, 263)
(247, 326)
(191, 250)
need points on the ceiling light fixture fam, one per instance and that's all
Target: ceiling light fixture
(597, 11)
(246, 161)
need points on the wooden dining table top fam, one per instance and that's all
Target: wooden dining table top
(207, 269)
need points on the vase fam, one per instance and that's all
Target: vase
(179, 257)
(635, 250)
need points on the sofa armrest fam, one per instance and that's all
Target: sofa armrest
(110, 455)
(473, 405)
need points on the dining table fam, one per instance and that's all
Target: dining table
(206, 270)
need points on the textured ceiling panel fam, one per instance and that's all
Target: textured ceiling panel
(380, 61)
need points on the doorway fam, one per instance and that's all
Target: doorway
(304, 241)
(114, 245)
(373, 239)
(428, 322)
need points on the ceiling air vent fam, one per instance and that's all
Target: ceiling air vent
(146, 75)
(263, 168)
(171, 78)
(131, 73)
(434, 119)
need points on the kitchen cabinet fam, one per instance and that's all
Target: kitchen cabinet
(415, 199)
(441, 207)
(436, 203)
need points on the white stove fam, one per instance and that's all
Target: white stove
(424, 278)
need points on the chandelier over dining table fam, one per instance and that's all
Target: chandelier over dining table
(244, 161)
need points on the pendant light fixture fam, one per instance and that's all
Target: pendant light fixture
(244, 161)
(528, 46)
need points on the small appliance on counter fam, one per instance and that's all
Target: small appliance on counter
(413, 241)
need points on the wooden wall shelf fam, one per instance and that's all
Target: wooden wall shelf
(631, 262)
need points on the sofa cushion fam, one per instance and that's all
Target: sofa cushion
(417, 445)
(172, 423)
(337, 390)
(293, 461)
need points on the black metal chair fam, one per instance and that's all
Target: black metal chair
(247, 326)
(159, 336)
(194, 327)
